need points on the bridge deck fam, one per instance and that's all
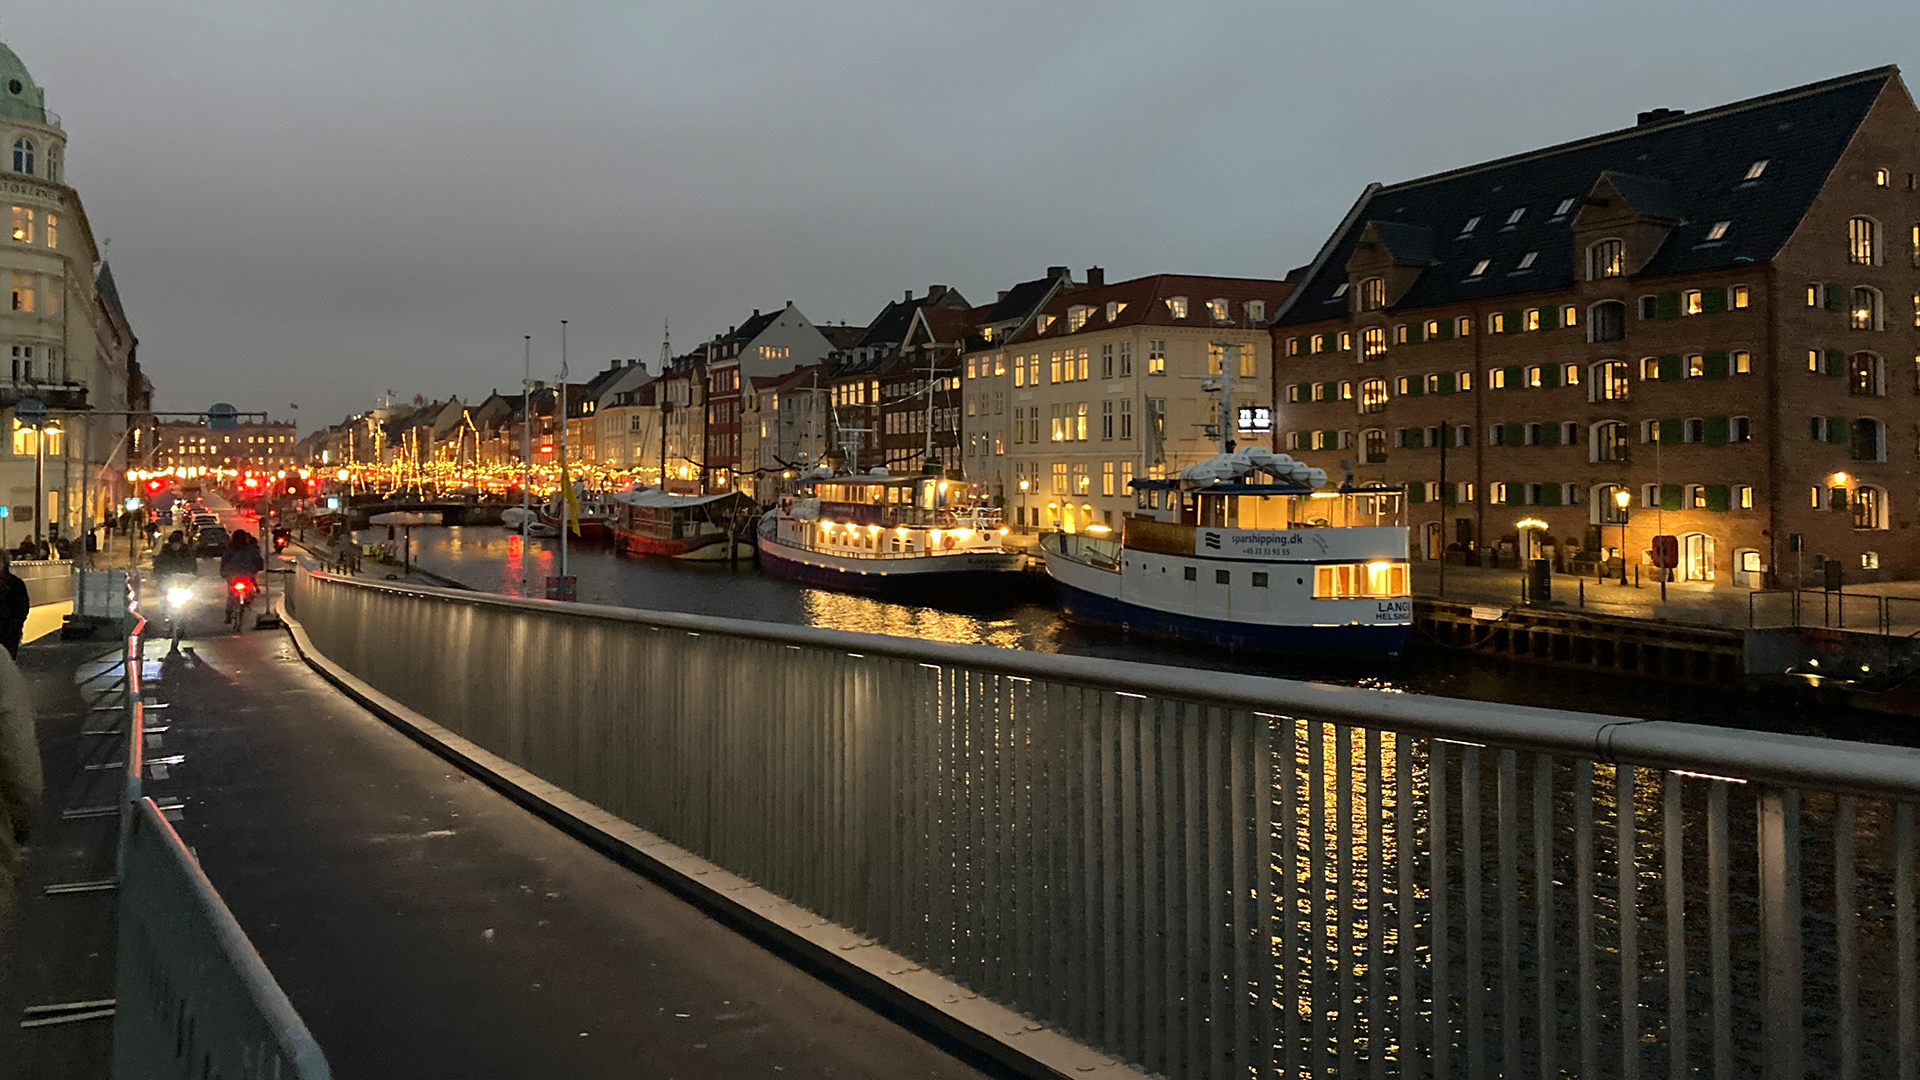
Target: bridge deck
(424, 926)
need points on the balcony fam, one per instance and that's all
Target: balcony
(55, 395)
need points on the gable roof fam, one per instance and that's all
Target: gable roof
(1144, 302)
(1687, 168)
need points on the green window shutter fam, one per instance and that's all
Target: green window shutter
(1716, 431)
(1670, 369)
(1836, 498)
(1550, 434)
(1514, 376)
(1332, 439)
(1417, 492)
(1449, 493)
(1416, 438)
(1667, 306)
(1300, 440)
(1719, 497)
(1446, 382)
(1511, 322)
(1516, 493)
(1836, 296)
(1836, 429)
(1416, 385)
(1669, 496)
(1836, 362)
(1549, 376)
(1513, 435)
(1445, 332)
(1716, 362)
(1713, 301)
(1670, 433)
(1549, 318)
(1549, 494)
(1414, 332)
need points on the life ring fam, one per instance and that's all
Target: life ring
(946, 541)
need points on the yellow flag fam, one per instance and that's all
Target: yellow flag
(573, 501)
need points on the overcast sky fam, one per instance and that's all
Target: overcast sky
(313, 202)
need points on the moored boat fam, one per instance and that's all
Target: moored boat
(706, 528)
(1224, 555)
(908, 537)
(595, 515)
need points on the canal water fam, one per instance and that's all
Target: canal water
(489, 558)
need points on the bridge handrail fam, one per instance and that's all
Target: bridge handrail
(1801, 760)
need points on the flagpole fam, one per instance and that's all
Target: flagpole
(526, 459)
(566, 481)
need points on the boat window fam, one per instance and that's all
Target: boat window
(1259, 580)
(1193, 573)
(1222, 577)
(1343, 581)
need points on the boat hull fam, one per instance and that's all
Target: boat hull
(1359, 639)
(597, 529)
(710, 548)
(977, 576)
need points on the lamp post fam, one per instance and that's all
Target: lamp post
(1620, 499)
(1525, 526)
(1024, 485)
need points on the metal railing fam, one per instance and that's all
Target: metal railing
(1217, 875)
(192, 997)
(48, 581)
(1867, 613)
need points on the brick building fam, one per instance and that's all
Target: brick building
(1711, 318)
(267, 447)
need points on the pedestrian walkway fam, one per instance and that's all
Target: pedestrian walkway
(425, 926)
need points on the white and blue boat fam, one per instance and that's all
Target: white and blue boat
(1249, 550)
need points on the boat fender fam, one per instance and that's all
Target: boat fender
(946, 541)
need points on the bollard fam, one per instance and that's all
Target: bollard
(1583, 592)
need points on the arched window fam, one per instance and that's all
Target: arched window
(1863, 241)
(1869, 506)
(23, 156)
(1863, 311)
(1606, 259)
(1609, 441)
(1609, 507)
(1649, 367)
(1374, 443)
(1373, 396)
(1607, 321)
(1869, 439)
(1373, 294)
(1865, 375)
(1609, 381)
(53, 166)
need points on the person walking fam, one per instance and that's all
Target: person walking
(14, 606)
(20, 780)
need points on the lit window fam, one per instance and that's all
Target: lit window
(1534, 378)
(1742, 362)
(1754, 170)
(1463, 326)
(1375, 341)
(23, 224)
(1526, 260)
(1514, 218)
(1157, 356)
(1319, 344)
(1463, 381)
(1570, 374)
(1691, 302)
(1864, 311)
(1881, 178)
(1177, 305)
(1373, 294)
(1743, 496)
(1400, 334)
(1497, 378)
(1217, 310)
(23, 292)
(1480, 267)
(1606, 259)
(1076, 317)
(1346, 341)
(1293, 346)
(1256, 310)
(1342, 581)
(1739, 297)
(1719, 230)
(1863, 241)
(1114, 308)
(1569, 316)
(1533, 319)
(1373, 396)
(1497, 323)
(1696, 366)
(1815, 293)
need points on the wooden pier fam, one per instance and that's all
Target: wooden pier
(1671, 652)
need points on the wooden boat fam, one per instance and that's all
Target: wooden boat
(706, 528)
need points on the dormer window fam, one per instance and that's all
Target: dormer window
(1480, 267)
(1514, 218)
(1256, 310)
(1114, 308)
(1757, 168)
(1606, 259)
(1177, 306)
(1719, 230)
(1046, 321)
(1077, 317)
(1373, 294)
(1341, 291)
(1565, 205)
(1472, 224)
(1526, 261)
(1217, 310)
(986, 334)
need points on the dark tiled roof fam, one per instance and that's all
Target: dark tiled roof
(1020, 300)
(843, 337)
(1689, 168)
(1144, 301)
(890, 326)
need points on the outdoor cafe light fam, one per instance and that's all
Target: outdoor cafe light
(1530, 523)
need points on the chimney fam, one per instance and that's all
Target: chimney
(1096, 277)
(1654, 116)
(909, 296)
(1056, 271)
(935, 292)
(756, 313)
(1003, 294)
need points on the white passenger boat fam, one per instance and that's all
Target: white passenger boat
(1248, 550)
(909, 537)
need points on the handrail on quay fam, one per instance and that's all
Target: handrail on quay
(1214, 875)
(192, 996)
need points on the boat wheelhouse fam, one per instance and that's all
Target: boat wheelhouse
(648, 521)
(912, 537)
(1248, 550)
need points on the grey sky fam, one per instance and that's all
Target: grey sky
(311, 202)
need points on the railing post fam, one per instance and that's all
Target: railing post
(1780, 970)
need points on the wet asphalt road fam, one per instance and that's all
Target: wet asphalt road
(426, 927)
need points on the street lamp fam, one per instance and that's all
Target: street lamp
(1024, 484)
(1526, 556)
(1620, 500)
